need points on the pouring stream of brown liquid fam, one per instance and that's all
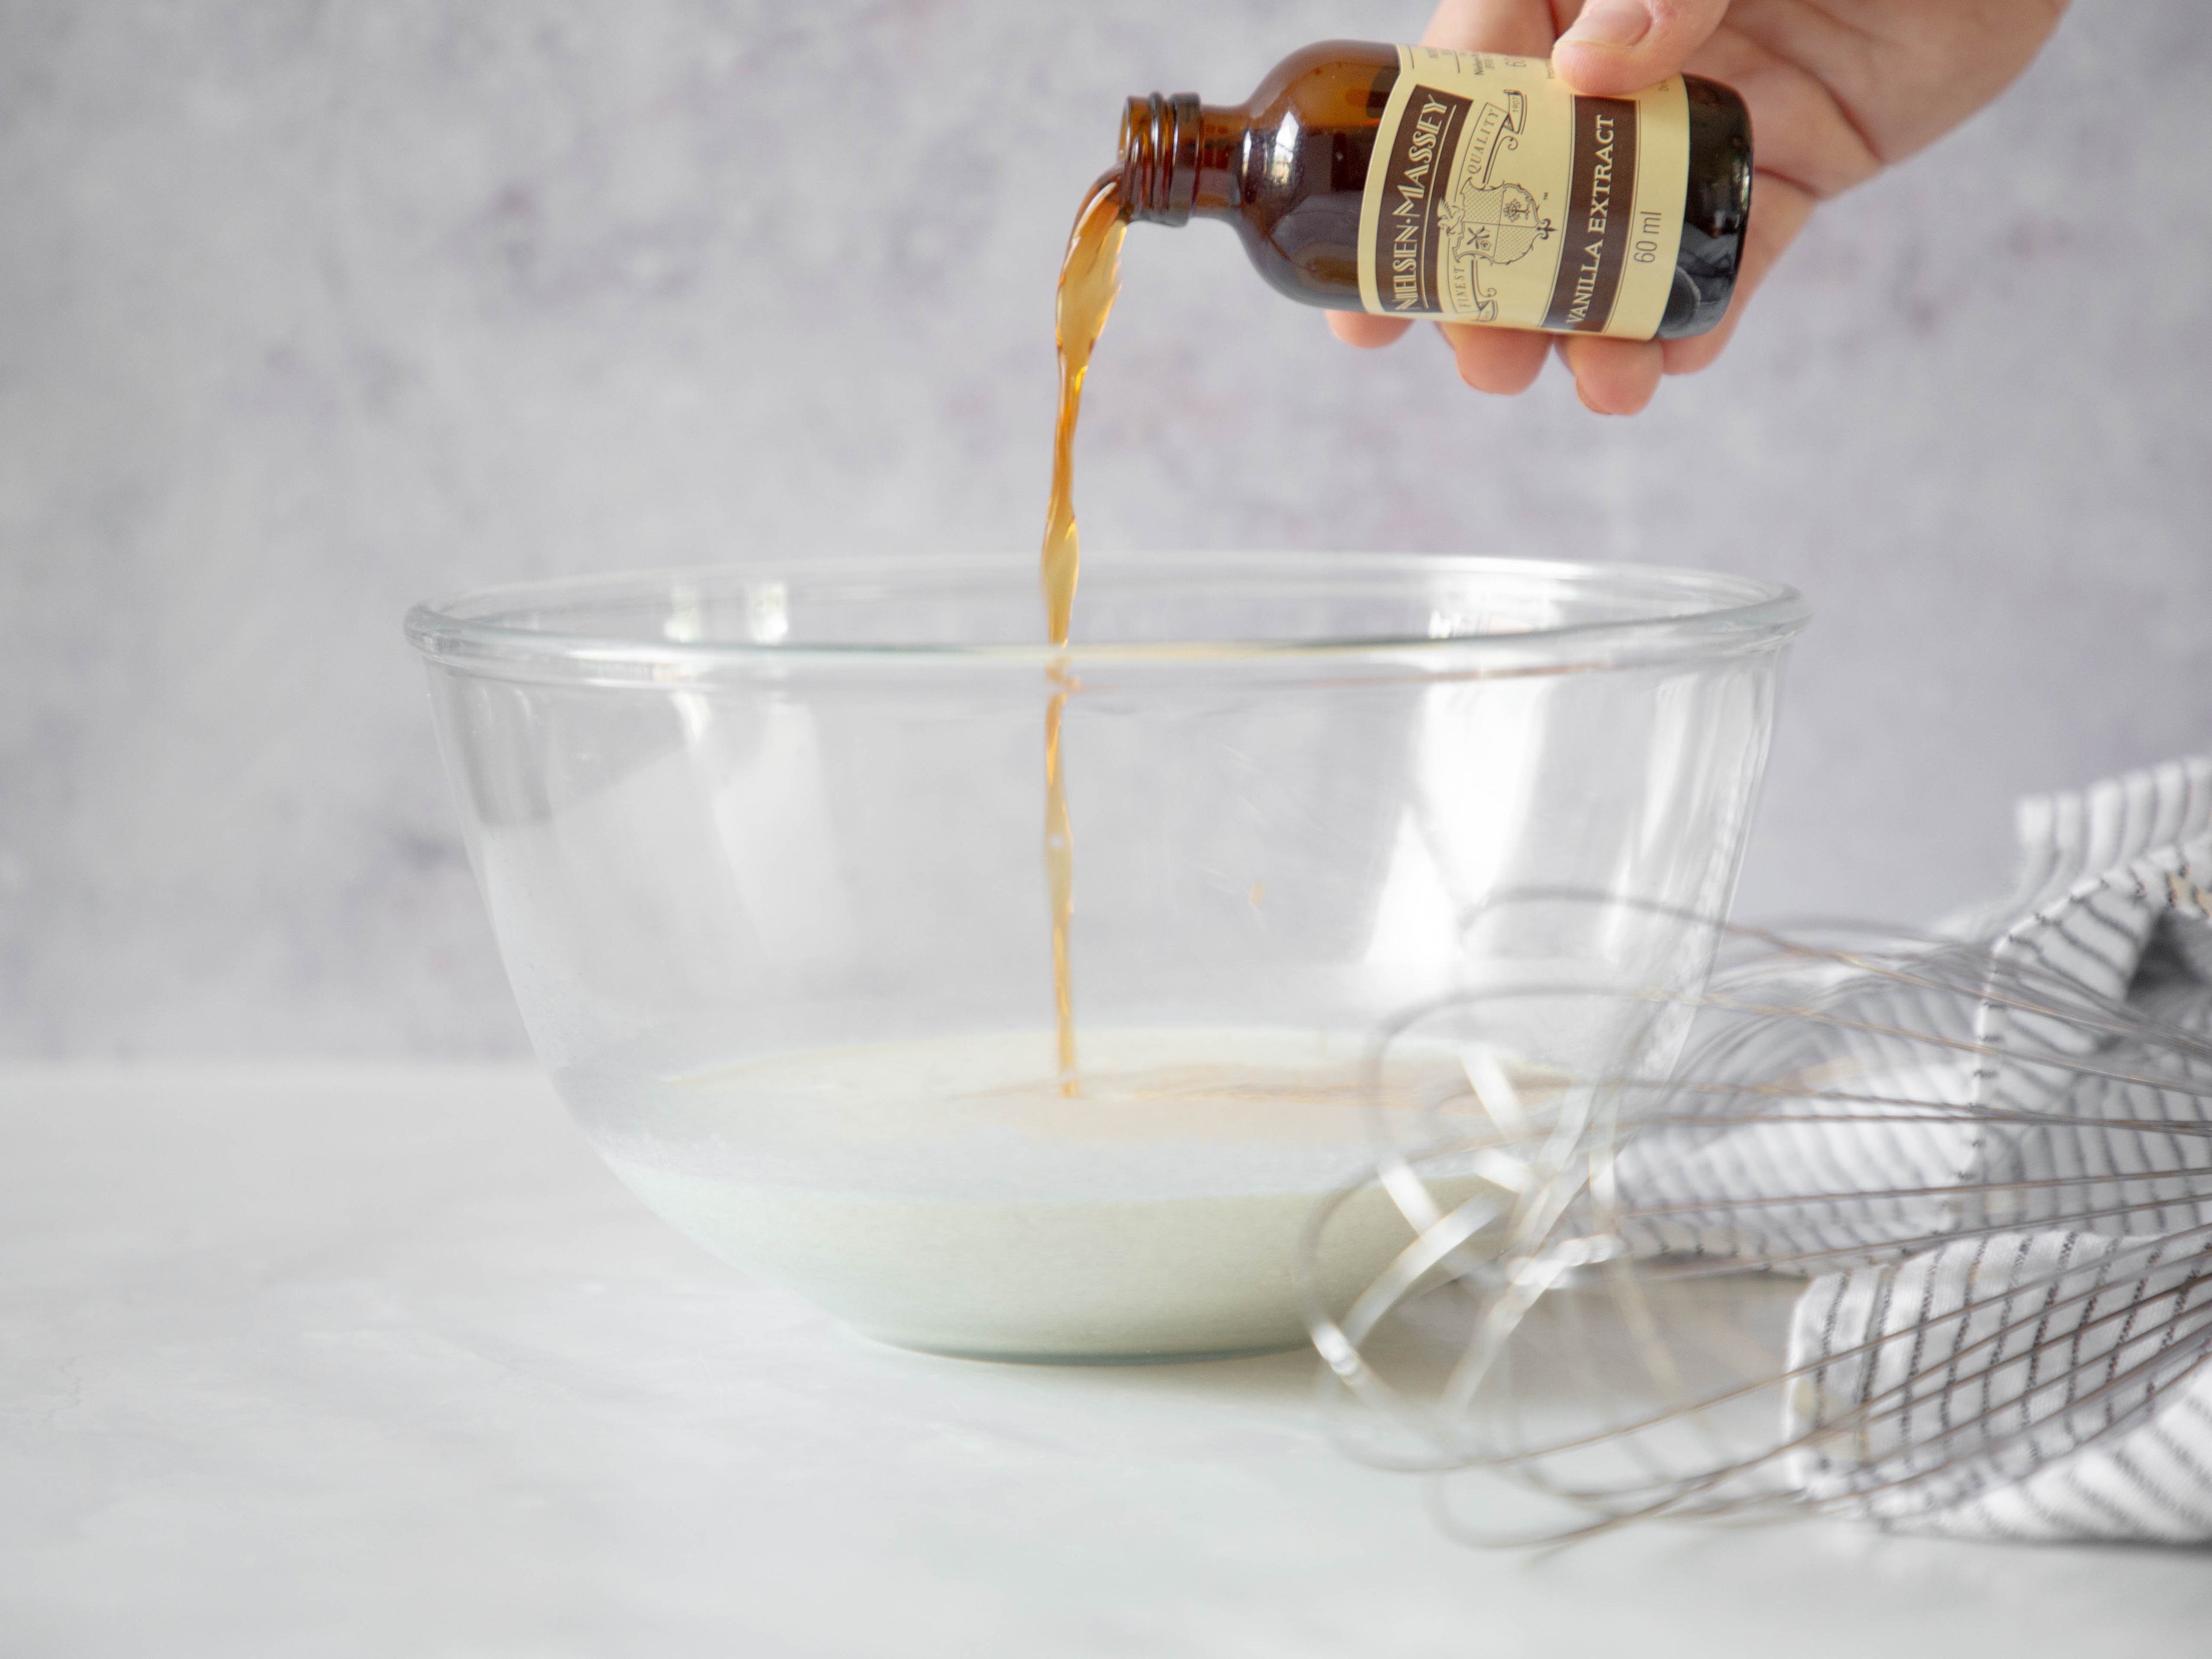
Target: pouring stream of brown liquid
(1089, 278)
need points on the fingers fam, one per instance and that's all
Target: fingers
(1779, 210)
(1620, 46)
(1501, 359)
(1612, 377)
(1358, 328)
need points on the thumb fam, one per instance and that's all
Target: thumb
(1620, 45)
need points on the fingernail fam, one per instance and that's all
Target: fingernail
(1609, 23)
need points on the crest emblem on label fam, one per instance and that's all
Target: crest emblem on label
(1489, 220)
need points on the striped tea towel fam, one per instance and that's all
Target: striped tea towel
(2041, 1375)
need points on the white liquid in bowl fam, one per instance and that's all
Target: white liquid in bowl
(943, 1194)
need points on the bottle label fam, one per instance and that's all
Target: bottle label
(1498, 196)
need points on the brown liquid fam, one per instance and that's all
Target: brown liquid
(1060, 874)
(1088, 277)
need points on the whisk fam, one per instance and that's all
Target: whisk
(1918, 1229)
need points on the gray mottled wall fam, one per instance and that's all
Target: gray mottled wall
(308, 310)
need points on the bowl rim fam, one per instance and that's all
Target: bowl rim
(1720, 615)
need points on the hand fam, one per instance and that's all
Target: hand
(1838, 90)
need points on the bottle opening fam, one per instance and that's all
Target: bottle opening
(1160, 157)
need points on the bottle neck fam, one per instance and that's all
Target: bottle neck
(1179, 158)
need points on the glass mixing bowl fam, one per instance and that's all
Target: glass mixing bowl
(764, 849)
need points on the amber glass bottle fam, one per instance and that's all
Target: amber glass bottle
(1410, 182)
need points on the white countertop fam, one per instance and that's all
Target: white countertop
(382, 1362)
